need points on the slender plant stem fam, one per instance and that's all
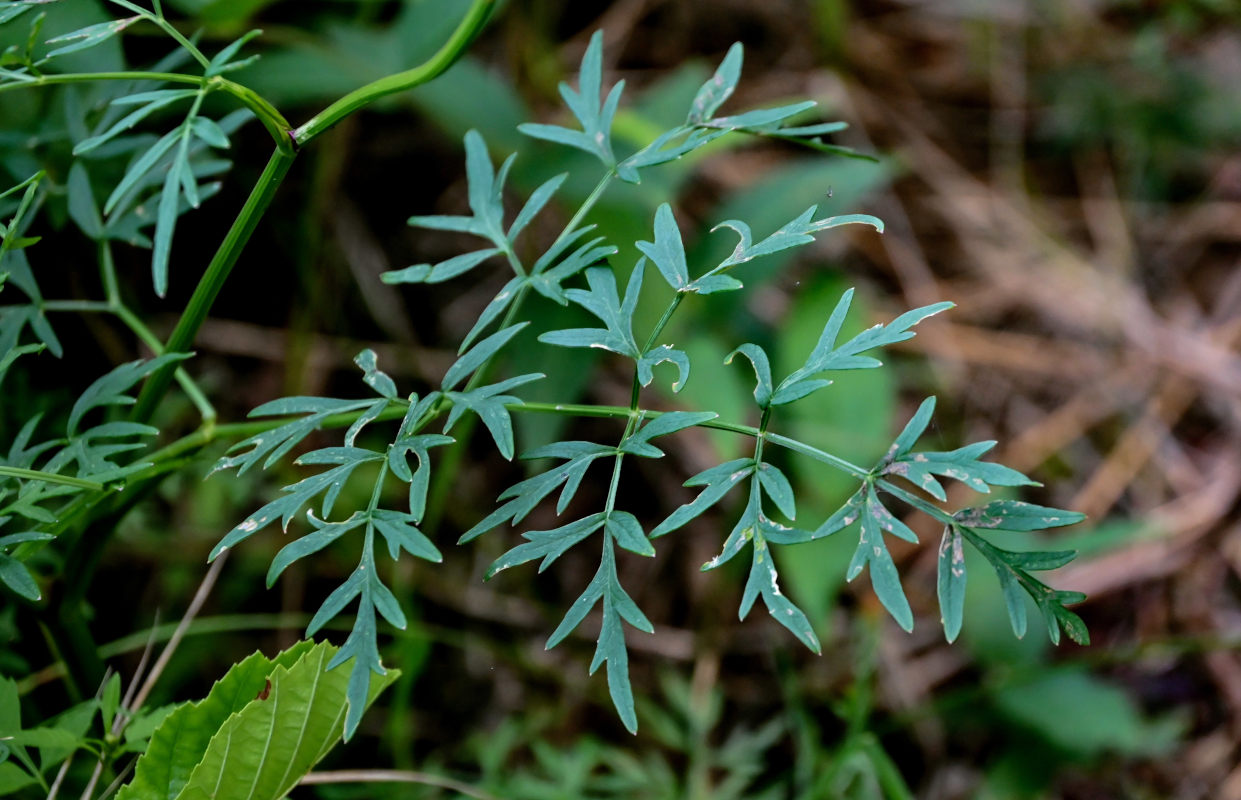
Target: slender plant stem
(60, 778)
(79, 306)
(469, 27)
(107, 274)
(192, 390)
(131, 320)
(932, 511)
(213, 280)
(165, 655)
(272, 119)
(167, 27)
(49, 477)
(663, 321)
(586, 207)
(394, 776)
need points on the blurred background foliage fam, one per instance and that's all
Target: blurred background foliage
(1066, 171)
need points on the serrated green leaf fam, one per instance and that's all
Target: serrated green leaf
(524, 496)
(325, 533)
(399, 532)
(275, 443)
(664, 424)
(594, 116)
(263, 749)
(222, 61)
(763, 581)
(760, 118)
(963, 465)
(1014, 601)
(181, 740)
(140, 167)
(165, 226)
(452, 267)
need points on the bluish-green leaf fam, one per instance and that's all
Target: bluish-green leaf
(667, 251)
(399, 532)
(547, 545)
(538, 198)
(479, 355)
(627, 531)
(659, 355)
(873, 551)
(913, 429)
(719, 480)
(762, 371)
(950, 583)
(1015, 515)
(778, 488)
(89, 36)
(210, 132)
(719, 88)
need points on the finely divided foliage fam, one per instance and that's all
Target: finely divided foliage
(768, 512)
(46, 483)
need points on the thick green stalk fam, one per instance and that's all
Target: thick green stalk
(213, 280)
(444, 58)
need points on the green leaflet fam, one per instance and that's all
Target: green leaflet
(593, 113)
(263, 726)
(950, 582)
(616, 313)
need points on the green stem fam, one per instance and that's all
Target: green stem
(115, 306)
(585, 208)
(663, 321)
(813, 452)
(79, 306)
(107, 274)
(913, 500)
(192, 390)
(213, 280)
(467, 29)
(272, 119)
(49, 477)
(167, 27)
